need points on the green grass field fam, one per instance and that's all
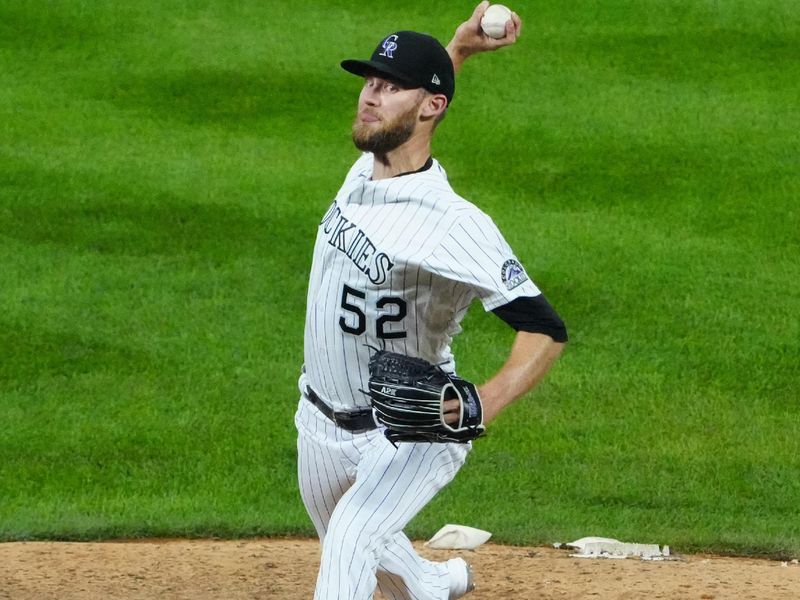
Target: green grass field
(163, 168)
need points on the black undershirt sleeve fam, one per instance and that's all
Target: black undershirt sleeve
(534, 315)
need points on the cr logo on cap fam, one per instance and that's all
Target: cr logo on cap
(389, 46)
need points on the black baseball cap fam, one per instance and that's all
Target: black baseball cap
(411, 58)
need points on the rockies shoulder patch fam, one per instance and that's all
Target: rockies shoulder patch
(513, 274)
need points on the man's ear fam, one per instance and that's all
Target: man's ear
(433, 106)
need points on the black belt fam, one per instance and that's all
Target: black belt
(358, 420)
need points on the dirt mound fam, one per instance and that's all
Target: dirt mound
(286, 570)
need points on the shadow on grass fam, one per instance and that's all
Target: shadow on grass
(278, 100)
(95, 214)
(27, 353)
(710, 56)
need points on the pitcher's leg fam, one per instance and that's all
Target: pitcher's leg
(392, 486)
(404, 575)
(322, 471)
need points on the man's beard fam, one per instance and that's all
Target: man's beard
(389, 136)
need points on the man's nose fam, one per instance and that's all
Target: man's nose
(371, 96)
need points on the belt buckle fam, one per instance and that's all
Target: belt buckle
(343, 420)
(339, 419)
(347, 421)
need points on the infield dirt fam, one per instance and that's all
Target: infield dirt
(286, 570)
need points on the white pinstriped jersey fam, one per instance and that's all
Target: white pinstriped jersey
(396, 264)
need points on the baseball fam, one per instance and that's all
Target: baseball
(494, 20)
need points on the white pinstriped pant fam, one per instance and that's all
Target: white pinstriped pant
(360, 492)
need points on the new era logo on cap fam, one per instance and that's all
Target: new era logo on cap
(436, 79)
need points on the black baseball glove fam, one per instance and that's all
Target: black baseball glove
(408, 396)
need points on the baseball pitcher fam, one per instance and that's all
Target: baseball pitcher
(383, 420)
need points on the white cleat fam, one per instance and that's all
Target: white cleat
(461, 578)
(470, 579)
